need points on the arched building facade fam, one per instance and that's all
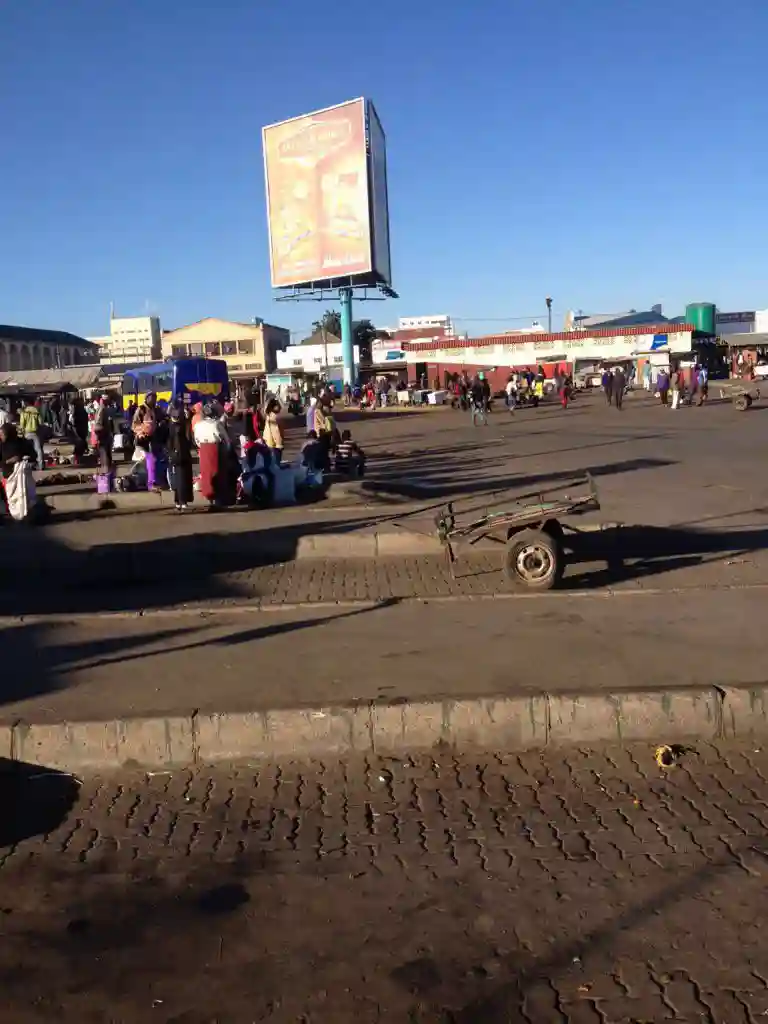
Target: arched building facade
(30, 348)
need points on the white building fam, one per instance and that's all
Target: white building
(418, 323)
(132, 339)
(312, 357)
(753, 321)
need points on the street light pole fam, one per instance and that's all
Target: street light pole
(549, 314)
(325, 349)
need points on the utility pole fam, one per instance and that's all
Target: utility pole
(549, 314)
(325, 349)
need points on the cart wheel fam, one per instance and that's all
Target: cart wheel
(535, 559)
(743, 402)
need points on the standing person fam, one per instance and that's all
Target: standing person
(565, 390)
(29, 428)
(180, 455)
(79, 429)
(16, 481)
(158, 448)
(323, 429)
(310, 418)
(703, 384)
(647, 375)
(662, 384)
(102, 435)
(273, 436)
(619, 383)
(144, 427)
(675, 385)
(511, 390)
(694, 384)
(208, 438)
(607, 381)
(54, 411)
(486, 393)
(477, 402)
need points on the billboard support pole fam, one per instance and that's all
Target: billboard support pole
(347, 339)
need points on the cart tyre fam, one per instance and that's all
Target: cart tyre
(535, 560)
(743, 402)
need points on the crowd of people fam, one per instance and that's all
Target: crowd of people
(674, 387)
(231, 443)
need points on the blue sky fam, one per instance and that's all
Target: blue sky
(607, 152)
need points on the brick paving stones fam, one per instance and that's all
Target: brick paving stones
(583, 885)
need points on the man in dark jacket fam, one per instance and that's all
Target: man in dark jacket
(619, 383)
(479, 401)
(607, 382)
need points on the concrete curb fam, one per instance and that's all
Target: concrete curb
(503, 723)
(121, 501)
(372, 544)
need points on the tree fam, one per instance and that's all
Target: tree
(365, 333)
(363, 330)
(330, 322)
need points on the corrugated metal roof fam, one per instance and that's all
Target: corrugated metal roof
(753, 339)
(8, 332)
(77, 376)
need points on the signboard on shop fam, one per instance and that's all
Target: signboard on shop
(528, 352)
(746, 317)
(383, 350)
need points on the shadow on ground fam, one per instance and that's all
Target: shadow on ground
(637, 552)
(34, 800)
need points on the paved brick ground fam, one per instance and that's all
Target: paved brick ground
(585, 887)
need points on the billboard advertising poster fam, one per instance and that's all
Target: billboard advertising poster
(316, 169)
(379, 197)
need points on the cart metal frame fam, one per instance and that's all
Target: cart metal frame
(533, 532)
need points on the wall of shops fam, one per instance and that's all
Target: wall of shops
(439, 375)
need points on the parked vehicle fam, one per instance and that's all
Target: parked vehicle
(180, 380)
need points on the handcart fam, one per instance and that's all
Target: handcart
(741, 393)
(533, 533)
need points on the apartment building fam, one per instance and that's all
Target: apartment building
(250, 349)
(132, 339)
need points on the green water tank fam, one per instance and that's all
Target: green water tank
(702, 316)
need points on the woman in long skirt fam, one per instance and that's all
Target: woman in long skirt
(180, 456)
(208, 439)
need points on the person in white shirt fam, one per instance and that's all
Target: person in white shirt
(511, 390)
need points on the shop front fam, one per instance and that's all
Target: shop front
(568, 352)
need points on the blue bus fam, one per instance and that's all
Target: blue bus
(180, 380)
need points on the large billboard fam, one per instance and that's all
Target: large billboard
(377, 148)
(327, 197)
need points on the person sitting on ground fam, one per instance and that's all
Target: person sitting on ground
(13, 448)
(350, 458)
(312, 452)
